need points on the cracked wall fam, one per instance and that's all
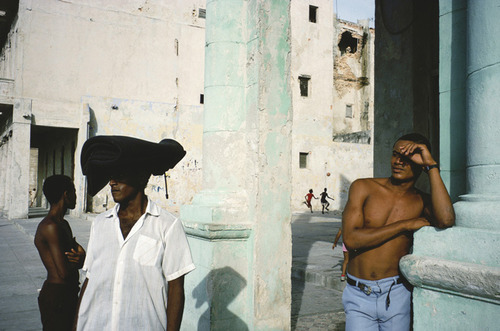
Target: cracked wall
(354, 83)
(336, 150)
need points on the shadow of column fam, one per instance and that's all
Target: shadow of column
(218, 289)
(304, 236)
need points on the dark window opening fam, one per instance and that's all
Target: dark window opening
(303, 160)
(348, 44)
(348, 111)
(176, 47)
(202, 13)
(313, 10)
(202, 98)
(304, 85)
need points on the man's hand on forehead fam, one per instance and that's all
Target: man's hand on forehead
(400, 155)
(417, 153)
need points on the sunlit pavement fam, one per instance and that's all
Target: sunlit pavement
(316, 286)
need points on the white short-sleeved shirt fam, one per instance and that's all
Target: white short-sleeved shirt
(128, 278)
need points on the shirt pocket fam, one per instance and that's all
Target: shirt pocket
(146, 251)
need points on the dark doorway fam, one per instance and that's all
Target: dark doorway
(52, 153)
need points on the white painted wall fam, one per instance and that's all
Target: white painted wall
(316, 118)
(69, 56)
(76, 61)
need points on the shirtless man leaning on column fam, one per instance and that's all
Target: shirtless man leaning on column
(379, 219)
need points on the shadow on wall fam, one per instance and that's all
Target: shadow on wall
(457, 107)
(92, 132)
(218, 289)
(93, 126)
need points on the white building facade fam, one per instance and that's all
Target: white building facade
(71, 70)
(74, 69)
(332, 90)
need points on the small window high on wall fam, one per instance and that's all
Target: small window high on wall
(304, 85)
(348, 111)
(303, 160)
(202, 13)
(313, 12)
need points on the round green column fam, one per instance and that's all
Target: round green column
(224, 111)
(479, 207)
(238, 225)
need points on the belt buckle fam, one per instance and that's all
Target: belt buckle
(365, 288)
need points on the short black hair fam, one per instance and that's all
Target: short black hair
(55, 186)
(416, 138)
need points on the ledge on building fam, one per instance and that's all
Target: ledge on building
(214, 232)
(360, 137)
(469, 280)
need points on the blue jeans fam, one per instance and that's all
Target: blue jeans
(371, 310)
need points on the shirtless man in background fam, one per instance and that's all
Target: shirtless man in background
(61, 255)
(379, 219)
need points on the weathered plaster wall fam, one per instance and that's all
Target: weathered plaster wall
(5, 157)
(152, 121)
(6, 118)
(318, 117)
(353, 78)
(145, 58)
(272, 215)
(239, 224)
(17, 166)
(136, 68)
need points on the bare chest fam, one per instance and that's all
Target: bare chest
(126, 226)
(66, 236)
(383, 209)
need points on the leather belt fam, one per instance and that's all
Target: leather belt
(366, 288)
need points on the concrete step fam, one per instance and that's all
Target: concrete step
(35, 212)
(323, 276)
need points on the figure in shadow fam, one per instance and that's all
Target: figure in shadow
(218, 289)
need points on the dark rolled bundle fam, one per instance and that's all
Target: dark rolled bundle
(103, 156)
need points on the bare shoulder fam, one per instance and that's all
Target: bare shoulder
(47, 227)
(367, 184)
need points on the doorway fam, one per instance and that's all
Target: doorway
(52, 153)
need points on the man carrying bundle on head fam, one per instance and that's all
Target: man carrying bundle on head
(138, 253)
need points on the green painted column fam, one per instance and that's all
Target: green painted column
(479, 208)
(239, 224)
(456, 272)
(452, 59)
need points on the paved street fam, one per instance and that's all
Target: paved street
(316, 270)
(316, 286)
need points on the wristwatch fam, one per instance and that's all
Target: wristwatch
(427, 168)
